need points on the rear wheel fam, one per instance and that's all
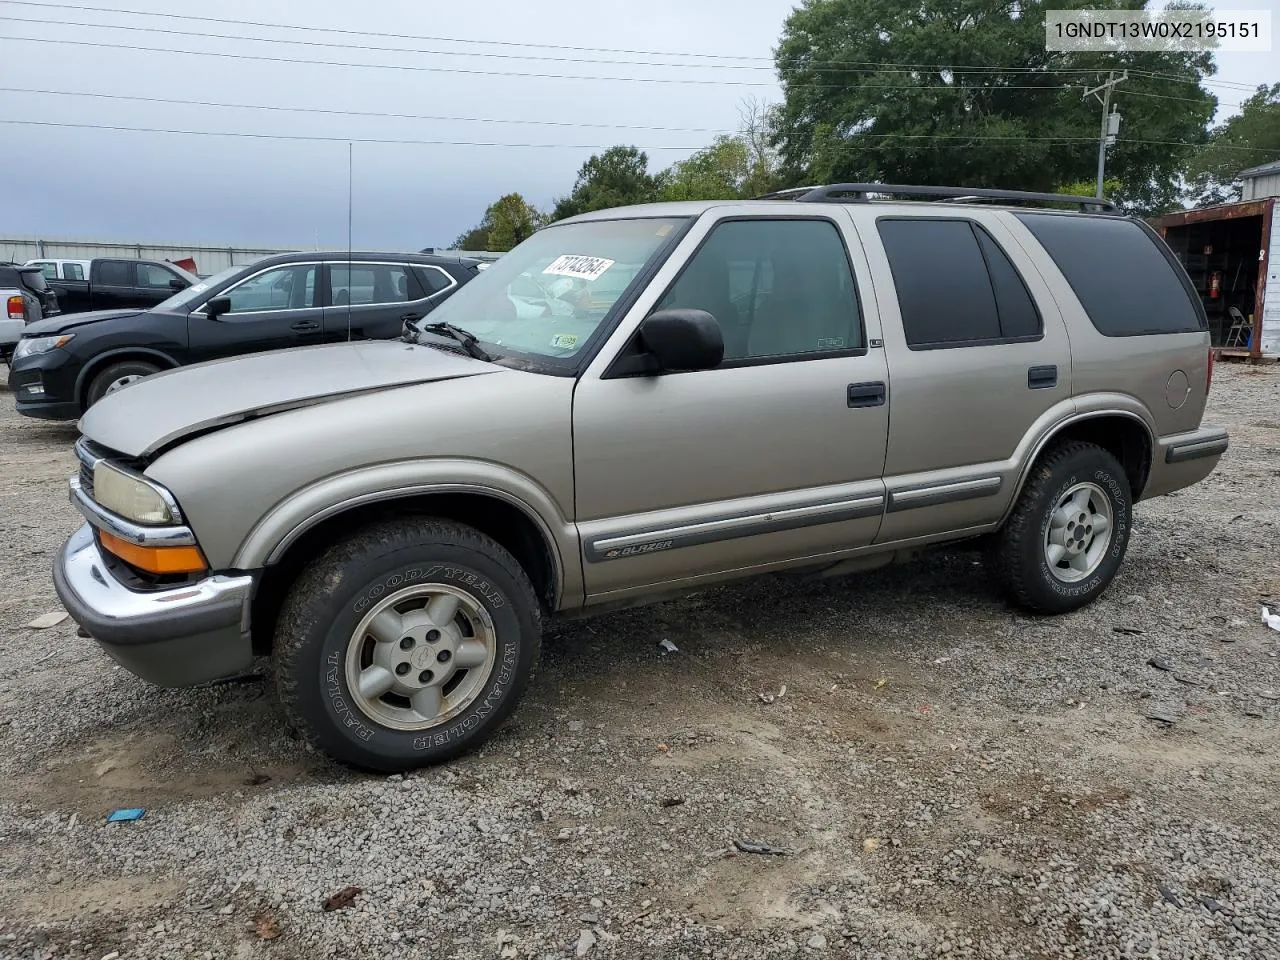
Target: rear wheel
(1069, 530)
(407, 644)
(115, 377)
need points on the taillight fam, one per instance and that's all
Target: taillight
(1208, 377)
(17, 308)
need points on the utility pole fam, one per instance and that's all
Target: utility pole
(1110, 126)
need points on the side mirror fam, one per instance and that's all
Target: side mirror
(217, 306)
(176, 284)
(683, 339)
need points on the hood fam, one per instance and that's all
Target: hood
(166, 407)
(62, 322)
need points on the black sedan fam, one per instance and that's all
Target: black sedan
(63, 365)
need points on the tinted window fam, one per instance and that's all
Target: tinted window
(284, 288)
(154, 276)
(433, 279)
(72, 271)
(365, 283)
(115, 273)
(777, 288)
(1019, 317)
(944, 292)
(1124, 281)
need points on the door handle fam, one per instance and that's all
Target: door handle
(867, 394)
(409, 317)
(1042, 378)
(305, 325)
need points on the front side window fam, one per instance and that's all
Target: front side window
(115, 273)
(154, 276)
(360, 284)
(549, 295)
(284, 288)
(778, 288)
(72, 271)
(956, 287)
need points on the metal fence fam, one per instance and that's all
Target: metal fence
(209, 259)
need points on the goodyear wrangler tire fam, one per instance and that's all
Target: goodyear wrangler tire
(406, 645)
(1068, 533)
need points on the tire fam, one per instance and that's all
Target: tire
(320, 662)
(1096, 485)
(100, 386)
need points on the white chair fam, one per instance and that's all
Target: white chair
(1241, 328)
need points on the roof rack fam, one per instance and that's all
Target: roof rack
(859, 192)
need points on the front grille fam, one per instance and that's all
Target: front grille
(86, 480)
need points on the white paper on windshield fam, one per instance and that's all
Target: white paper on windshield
(580, 268)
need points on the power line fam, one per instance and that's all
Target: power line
(515, 73)
(355, 113)
(970, 139)
(868, 65)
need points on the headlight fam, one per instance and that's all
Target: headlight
(130, 496)
(30, 347)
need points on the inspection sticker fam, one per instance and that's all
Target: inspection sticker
(580, 268)
(564, 341)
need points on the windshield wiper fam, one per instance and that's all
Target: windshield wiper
(468, 340)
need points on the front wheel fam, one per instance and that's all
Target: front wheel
(1067, 536)
(407, 644)
(116, 377)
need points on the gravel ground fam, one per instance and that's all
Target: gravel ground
(946, 777)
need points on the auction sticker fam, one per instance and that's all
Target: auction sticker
(580, 268)
(564, 341)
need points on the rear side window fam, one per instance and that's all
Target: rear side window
(115, 273)
(433, 279)
(72, 271)
(50, 270)
(956, 287)
(1124, 281)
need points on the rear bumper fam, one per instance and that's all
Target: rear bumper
(1184, 459)
(174, 637)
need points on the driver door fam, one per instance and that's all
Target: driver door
(270, 310)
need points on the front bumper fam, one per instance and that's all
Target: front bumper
(44, 386)
(174, 637)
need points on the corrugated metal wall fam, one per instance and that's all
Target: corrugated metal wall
(209, 259)
(1259, 188)
(1271, 292)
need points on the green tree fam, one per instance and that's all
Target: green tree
(718, 172)
(1089, 188)
(615, 178)
(963, 92)
(1248, 139)
(507, 221)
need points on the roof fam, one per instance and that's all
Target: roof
(1262, 171)
(355, 256)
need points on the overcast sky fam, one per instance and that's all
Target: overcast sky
(133, 186)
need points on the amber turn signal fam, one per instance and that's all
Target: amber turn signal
(155, 559)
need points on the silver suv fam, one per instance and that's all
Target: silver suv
(709, 391)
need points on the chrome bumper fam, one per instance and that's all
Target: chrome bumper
(172, 637)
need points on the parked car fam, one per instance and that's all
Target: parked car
(26, 298)
(63, 366)
(62, 269)
(393, 521)
(109, 284)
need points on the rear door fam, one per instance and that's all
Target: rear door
(366, 300)
(272, 309)
(111, 284)
(978, 355)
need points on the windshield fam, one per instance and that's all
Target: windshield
(186, 299)
(548, 295)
